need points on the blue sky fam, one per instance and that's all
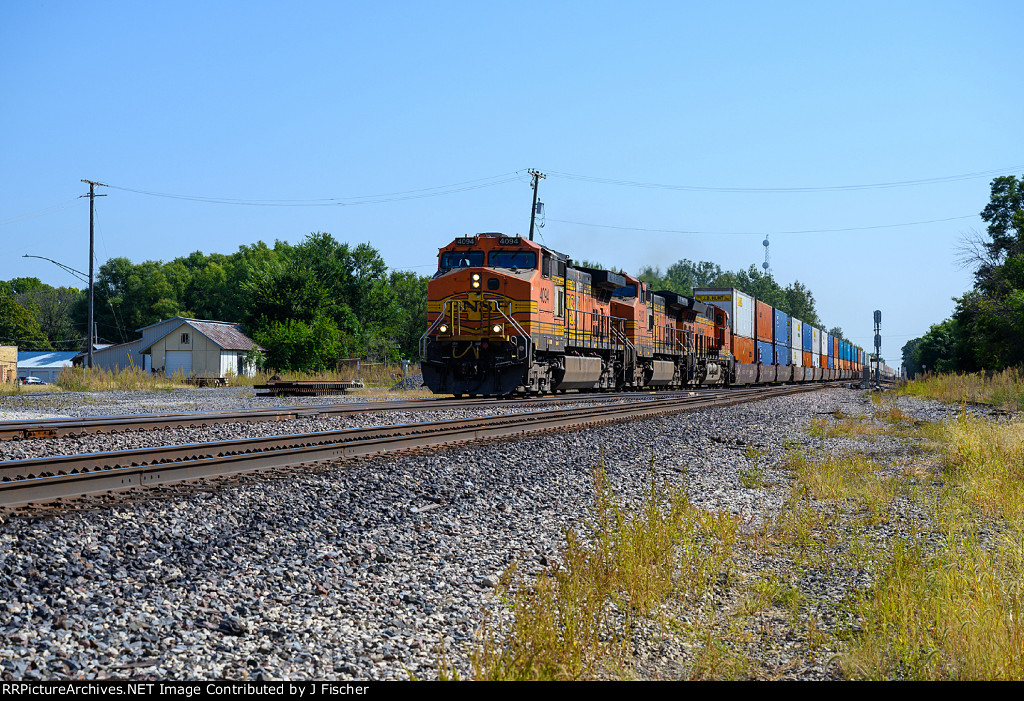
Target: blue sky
(336, 106)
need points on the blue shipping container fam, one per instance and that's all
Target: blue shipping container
(830, 359)
(808, 336)
(765, 353)
(783, 354)
(782, 328)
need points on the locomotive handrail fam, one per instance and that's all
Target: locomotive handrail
(437, 322)
(508, 317)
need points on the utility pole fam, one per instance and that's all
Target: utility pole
(537, 176)
(92, 201)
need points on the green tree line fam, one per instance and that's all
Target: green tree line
(986, 330)
(306, 304)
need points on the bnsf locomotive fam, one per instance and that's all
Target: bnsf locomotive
(507, 315)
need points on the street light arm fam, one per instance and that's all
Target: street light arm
(81, 276)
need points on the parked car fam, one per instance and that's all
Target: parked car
(32, 381)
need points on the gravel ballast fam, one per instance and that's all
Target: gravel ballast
(368, 569)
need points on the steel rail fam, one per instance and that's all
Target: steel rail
(84, 475)
(63, 427)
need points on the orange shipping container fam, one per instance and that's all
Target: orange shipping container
(743, 349)
(808, 361)
(764, 324)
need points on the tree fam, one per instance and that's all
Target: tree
(989, 328)
(53, 309)
(911, 359)
(410, 293)
(295, 345)
(1005, 216)
(18, 327)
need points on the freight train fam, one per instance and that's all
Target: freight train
(508, 316)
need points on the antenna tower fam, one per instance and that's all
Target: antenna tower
(767, 265)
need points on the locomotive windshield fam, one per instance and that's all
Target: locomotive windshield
(462, 259)
(627, 291)
(512, 259)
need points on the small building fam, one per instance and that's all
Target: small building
(46, 365)
(197, 348)
(115, 357)
(8, 363)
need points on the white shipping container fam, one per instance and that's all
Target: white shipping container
(740, 307)
(815, 341)
(796, 334)
(798, 356)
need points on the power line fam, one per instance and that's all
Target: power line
(31, 215)
(436, 191)
(826, 188)
(762, 231)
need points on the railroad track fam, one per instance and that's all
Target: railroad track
(48, 479)
(57, 428)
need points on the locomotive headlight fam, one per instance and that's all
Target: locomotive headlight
(476, 277)
(496, 328)
(443, 328)
(475, 284)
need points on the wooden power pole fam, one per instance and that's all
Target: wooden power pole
(537, 177)
(92, 200)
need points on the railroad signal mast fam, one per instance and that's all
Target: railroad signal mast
(878, 348)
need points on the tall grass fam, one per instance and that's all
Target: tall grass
(574, 622)
(81, 379)
(1004, 389)
(948, 603)
(371, 374)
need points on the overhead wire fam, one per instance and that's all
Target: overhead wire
(421, 193)
(825, 188)
(31, 215)
(761, 232)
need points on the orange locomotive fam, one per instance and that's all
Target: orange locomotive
(508, 315)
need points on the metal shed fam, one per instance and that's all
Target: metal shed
(46, 365)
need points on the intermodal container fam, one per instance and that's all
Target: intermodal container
(765, 352)
(807, 339)
(831, 362)
(743, 349)
(796, 333)
(796, 357)
(835, 347)
(781, 320)
(815, 340)
(783, 354)
(763, 328)
(739, 305)
(809, 359)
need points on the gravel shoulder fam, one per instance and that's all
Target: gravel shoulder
(373, 568)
